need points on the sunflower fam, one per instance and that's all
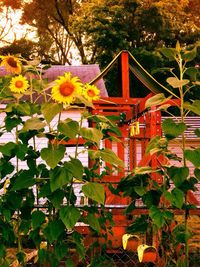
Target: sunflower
(11, 63)
(91, 92)
(66, 89)
(18, 84)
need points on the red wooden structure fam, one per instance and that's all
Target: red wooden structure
(146, 125)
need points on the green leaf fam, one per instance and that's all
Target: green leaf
(53, 154)
(172, 129)
(33, 124)
(170, 53)
(21, 150)
(23, 180)
(12, 122)
(54, 230)
(93, 222)
(156, 216)
(70, 216)
(69, 128)
(56, 198)
(50, 110)
(178, 198)
(140, 190)
(156, 100)
(59, 177)
(84, 101)
(194, 107)
(192, 72)
(139, 225)
(153, 143)
(95, 191)
(176, 83)
(7, 149)
(38, 218)
(70, 263)
(178, 174)
(168, 196)
(91, 134)
(193, 156)
(106, 155)
(190, 55)
(143, 170)
(75, 166)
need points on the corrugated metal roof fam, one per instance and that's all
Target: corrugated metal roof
(86, 73)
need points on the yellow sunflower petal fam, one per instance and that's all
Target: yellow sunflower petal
(11, 63)
(66, 89)
(18, 84)
(91, 92)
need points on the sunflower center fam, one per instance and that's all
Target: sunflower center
(12, 62)
(19, 84)
(66, 88)
(91, 93)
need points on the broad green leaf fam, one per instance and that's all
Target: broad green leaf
(194, 107)
(152, 144)
(70, 216)
(95, 191)
(193, 156)
(54, 230)
(178, 174)
(21, 150)
(178, 198)
(140, 190)
(176, 83)
(172, 129)
(151, 198)
(156, 100)
(91, 134)
(56, 198)
(11, 123)
(8, 148)
(139, 225)
(107, 155)
(190, 55)
(59, 177)
(143, 170)
(170, 53)
(78, 240)
(69, 128)
(75, 166)
(84, 101)
(53, 154)
(93, 222)
(192, 72)
(157, 216)
(33, 124)
(168, 196)
(38, 217)
(61, 250)
(23, 180)
(24, 108)
(50, 110)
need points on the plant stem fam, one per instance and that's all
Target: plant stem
(181, 69)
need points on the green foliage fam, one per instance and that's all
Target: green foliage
(46, 175)
(174, 192)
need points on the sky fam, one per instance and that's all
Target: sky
(17, 30)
